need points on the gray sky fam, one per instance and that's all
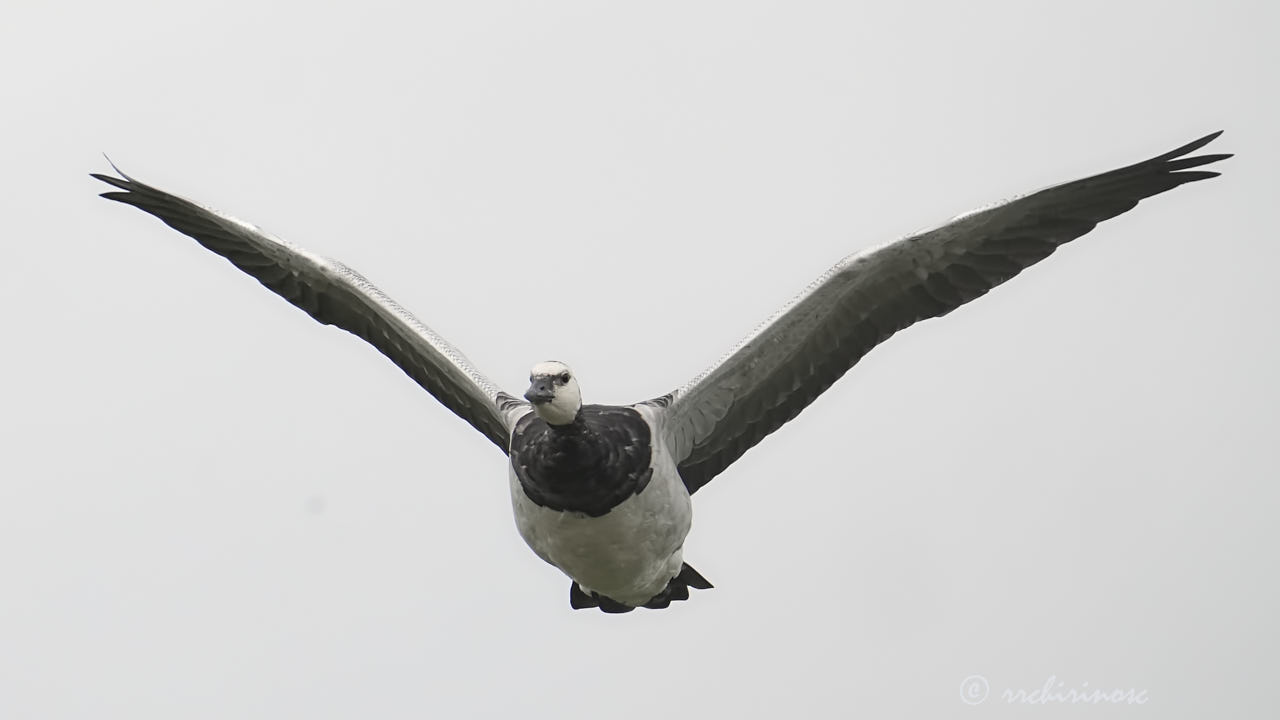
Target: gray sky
(212, 507)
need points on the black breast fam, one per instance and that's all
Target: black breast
(591, 465)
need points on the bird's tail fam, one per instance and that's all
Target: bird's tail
(677, 589)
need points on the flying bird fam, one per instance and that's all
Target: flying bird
(603, 492)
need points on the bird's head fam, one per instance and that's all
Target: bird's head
(554, 392)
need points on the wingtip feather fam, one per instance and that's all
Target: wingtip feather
(1190, 147)
(1194, 175)
(1197, 161)
(115, 167)
(112, 181)
(121, 197)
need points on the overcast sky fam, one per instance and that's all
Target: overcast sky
(212, 507)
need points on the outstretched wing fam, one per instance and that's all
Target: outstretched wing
(334, 294)
(795, 355)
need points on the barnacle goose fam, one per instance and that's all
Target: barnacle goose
(603, 492)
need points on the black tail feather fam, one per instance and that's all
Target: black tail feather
(579, 600)
(678, 588)
(613, 606)
(692, 578)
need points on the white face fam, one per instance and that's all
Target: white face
(553, 390)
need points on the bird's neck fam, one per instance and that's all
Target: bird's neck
(572, 432)
(574, 447)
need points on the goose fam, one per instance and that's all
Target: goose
(604, 492)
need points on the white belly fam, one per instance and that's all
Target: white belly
(628, 554)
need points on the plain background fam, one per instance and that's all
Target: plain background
(211, 507)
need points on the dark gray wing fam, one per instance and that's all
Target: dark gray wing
(335, 294)
(795, 355)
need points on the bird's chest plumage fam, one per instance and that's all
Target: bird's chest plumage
(590, 466)
(612, 517)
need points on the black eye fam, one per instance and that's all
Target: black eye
(564, 377)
